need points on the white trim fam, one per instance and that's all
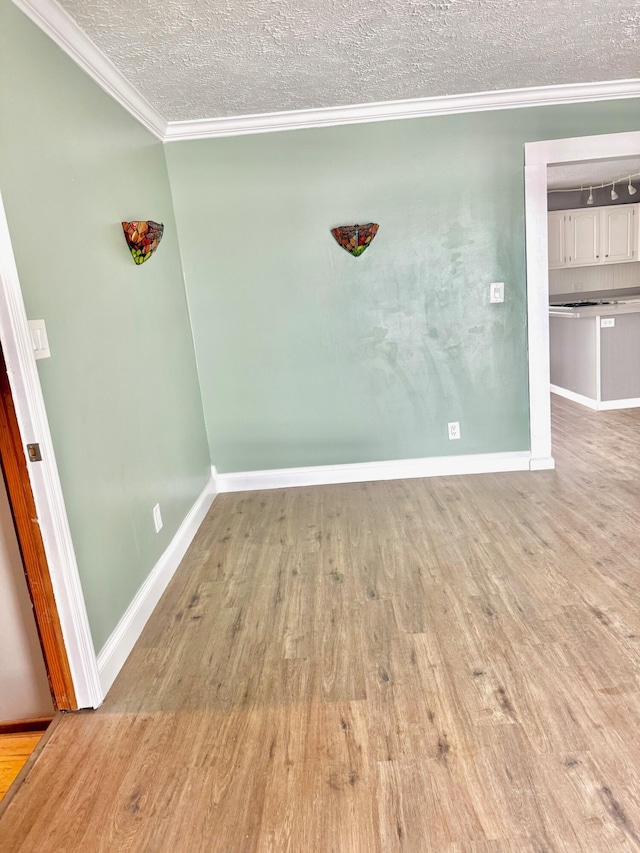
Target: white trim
(56, 22)
(611, 405)
(537, 156)
(606, 146)
(365, 472)
(535, 96)
(53, 20)
(542, 464)
(596, 405)
(45, 482)
(574, 397)
(535, 182)
(119, 645)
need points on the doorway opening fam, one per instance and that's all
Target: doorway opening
(544, 159)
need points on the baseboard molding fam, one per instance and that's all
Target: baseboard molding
(397, 469)
(596, 405)
(575, 398)
(542, 463)
(611, 405)
(119, 645)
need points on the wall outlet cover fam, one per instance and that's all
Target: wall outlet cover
(39, 339)
(607, 322)
(157, 518)
(453, 430)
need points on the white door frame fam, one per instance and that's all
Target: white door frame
(45, 481)
(537, 156)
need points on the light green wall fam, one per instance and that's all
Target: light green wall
(308, 356)
(120, 388)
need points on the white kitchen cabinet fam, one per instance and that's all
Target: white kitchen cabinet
(583, 233)
(557, 254)
(593, 236)
(619, 233)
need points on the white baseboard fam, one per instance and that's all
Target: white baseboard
(119, 645)
(575, 398)
(397, 469)
(610, 405)
(597, 406)
(542, 463)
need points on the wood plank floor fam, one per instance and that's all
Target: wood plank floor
(423, 665)
(15, 750)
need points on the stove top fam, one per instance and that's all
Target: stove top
(585, 304)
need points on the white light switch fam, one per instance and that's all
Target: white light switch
(496, 291)
(157, 518)
(39, 339)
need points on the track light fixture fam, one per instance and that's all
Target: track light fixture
(614, 195)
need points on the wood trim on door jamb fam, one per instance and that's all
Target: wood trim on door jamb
(16, 478)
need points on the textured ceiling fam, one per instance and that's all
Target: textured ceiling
(591, 172)
(197, 59)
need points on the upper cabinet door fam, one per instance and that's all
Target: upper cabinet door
(619, 233)
(557, 253)
(584, 238)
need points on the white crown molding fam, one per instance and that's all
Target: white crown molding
(389, 110)
(119, 645)
(53, 20)
(365, 472)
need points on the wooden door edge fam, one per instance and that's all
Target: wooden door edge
(18, 484)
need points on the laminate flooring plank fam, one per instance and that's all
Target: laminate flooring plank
(448, 664)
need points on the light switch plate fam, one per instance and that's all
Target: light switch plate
(496, 291)
(39, 339)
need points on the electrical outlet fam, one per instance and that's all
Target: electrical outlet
(454, 430)
(607, 322)
(157, 518)
(496, 291)
(578, 287)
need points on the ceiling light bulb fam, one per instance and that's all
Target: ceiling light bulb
(590, 199)
(614, 194)
(632, 189)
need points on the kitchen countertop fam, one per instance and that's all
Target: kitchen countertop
(612, 307)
